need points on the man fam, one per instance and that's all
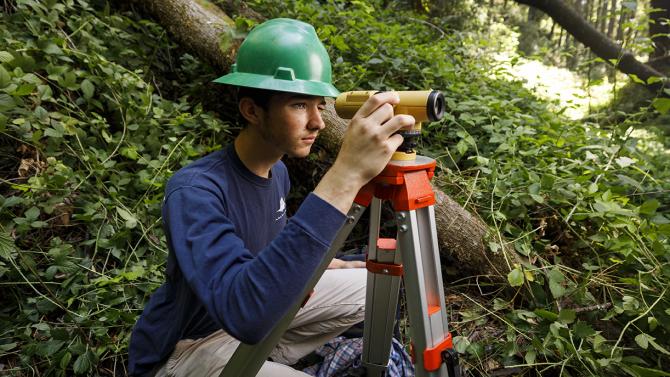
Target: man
(235, 263)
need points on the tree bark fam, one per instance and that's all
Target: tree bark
(602, 15)
(200, 27)
(598, 42)
(623, 17)
(612, 21)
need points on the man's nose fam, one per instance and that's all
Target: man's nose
(316, 120)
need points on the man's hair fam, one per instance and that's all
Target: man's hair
(261, 97)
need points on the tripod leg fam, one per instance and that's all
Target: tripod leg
(417, 242)
(248, 359)
(381, 300)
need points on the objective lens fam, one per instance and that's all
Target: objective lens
(435, 106)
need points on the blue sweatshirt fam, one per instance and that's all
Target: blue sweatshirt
(235, 262)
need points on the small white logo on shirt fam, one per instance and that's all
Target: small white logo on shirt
(282, 209)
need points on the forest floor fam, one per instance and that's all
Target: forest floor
(568, 88)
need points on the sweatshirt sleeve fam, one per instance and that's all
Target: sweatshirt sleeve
(246, 295)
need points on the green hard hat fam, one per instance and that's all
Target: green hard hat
(283, 55)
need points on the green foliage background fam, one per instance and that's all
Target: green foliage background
(98, 108)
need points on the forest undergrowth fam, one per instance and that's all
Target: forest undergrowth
(98, 107)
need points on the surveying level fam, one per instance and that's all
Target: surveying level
(413, 256)
(423, 105)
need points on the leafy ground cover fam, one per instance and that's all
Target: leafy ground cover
(98, 108)
(88, 142)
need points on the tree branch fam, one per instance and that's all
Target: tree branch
(598, 42)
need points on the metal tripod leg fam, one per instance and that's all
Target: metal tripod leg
(381, 300)
(417, 248)
(417, 243)
(248, 359)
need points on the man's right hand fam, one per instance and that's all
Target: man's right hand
(368, 145)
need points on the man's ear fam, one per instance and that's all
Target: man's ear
(249, 110)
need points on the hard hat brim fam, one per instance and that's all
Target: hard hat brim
(251, 80)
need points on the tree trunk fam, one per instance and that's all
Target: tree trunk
(602, 16)
(574, 57)
(623, 17)
(659, 28)
(200, 26)
(530, 32)
(589, 11)
(598, 42)
(612, 21)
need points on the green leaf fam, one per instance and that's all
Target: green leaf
(461, 343)
(24, 90)
(32, 214)
(557, 290)
(547, 182)
(131, 221)
(83, 363)
(515, 277)
(662, 105)
(6, 57)
(7, 346)
(649, 207)
(583, 330)
(6, 102)
(635, 78)
(12, 201)
(642, 340)
(462, 147)
(546, 314)
(624, 161)
(50, 347)
(646, 372)
(65, 360)
(5, 78)
(556, 279)
(530, 357)
(51, 132)
(522, 247)
(39, 224)
(87, 88)
(567, 316)
(657, 346)
(7, 246)
(52, 49)
(652, 322)
(654, 79)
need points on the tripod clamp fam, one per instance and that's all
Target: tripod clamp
(450, 358)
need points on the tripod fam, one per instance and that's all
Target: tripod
(413, 254)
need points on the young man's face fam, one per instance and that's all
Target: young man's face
(292, 122)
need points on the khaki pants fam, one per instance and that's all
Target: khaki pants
(338, 303)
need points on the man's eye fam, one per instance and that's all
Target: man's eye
(300, 105)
